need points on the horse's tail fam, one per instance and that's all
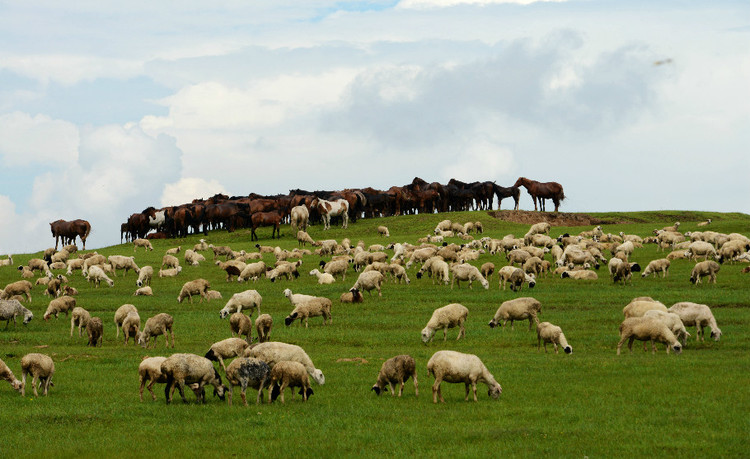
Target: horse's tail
(562, 195)
(88, 230)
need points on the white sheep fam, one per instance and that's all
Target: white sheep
(252, 271)
(41, 367)
(7, 262)
(383, 231)
(656, 266)
(703, 249)
(120, 315)
(323, 278)
(201, 245)
(150, 370)
(273, 352)
(638, 306)
(140, 242)
(299, 217)
(249, 299)
(6, 374)
(169, 261)
(170, 272)
(247, 372)
(671, 320)
(647, 329)
(181, 369)
(10, 309)
(368, 281)
(284, 269)
(315, 307)
(517, 309)
(193, 258)
(197, 287)
(516, 277)
(289, 374)
(336, 267)
(699, 315)
(548, 333)
(579, 274)
(56, 306)
(396, 370)
(144, 291)
(705, 223)
(446, 317)
(456, 367)
(436, 268)
(467, 272)
(96, 275)
(225, 349)
(144, 276)
(263, 326)
(22, 287)
(707, 268)
(131, 326)
(79, 318)
(123, 262)
(160, 324)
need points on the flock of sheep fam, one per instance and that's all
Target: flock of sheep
(274, 366)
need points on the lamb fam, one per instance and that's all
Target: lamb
(323, 278)
(95, 330)
(58, 305)
(10, 309)
(303, 310)
(181, 369)
(548, 333)
(6, 374)
(396, 370)
(263, 325)
(699, 315)
(456, 367)
(80, 318)
(225, 349)
(131, 326)
(249, 299)
(41, 367)
(580, 274)
(96, 275)
(197, 287)
(647, 329)
(140, 242)
(247, 372)
(638, 306)
(336, 267)
(120, 315)
(671, 320)
(122, 262)
(517, 309)
(383, 231)
(702, 269)
(289, 374)
(252, 271)
(352, 296)
(171, 272)
(516, 277)
(273, 352)
(446, 317)
(22, 287)
(160, 324)
(368, 281)
(241, 324)
(467, 272)
(656, 266)
(144, 276)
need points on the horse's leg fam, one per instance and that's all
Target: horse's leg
(557, 203)
(533, 197)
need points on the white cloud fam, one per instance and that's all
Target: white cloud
(37, 139)
(189, 188)
(426, 4)
(478, 160)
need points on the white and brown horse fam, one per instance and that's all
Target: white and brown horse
(330, 209)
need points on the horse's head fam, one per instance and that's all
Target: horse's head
(521, 181)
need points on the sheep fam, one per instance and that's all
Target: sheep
(225, 349)
(193, 258)
(446, 317)
(96, 275)
(150, 370)
(702, 269)
(60, 257)
(273, 352)
(638, 306)
(396, 370)
(74, 264)
(80, 318)
(140, 242)
(517, 309)
(704, 223)
(671, 320)
(647, 329)
(288, 374)
(247, 372)
(437, 268)
(457, 367)
(699, 315)
(70, 291)
(701, 249)
(352, 296)
(131, 326)
(249, 299)
(144, 276)
(95, 330)
(120, 315)
(467, 272)
(171, 272)
(252, 271)
(221, 250)
(122, 262)
(10, 309)
(53, 287)
(263, 326)
(197, 287)
(160, 324)
(240, 324)
(620, 271)
(285, 269)
(323, 278)
(26, 272)
(233, 268)
(58, 305)
(383, 231)
(181, 369)
(335, 267)
(579, 274)
(656, 266)
(368, 281)
(37, 264)
(41, 367)
(7, 262)
(303, 310)
(170, 261)
(200, 246)
(516, 277)
(22, 287)
(677, 255)
(548, 333)
(6, 374)
(399, 273)
(421, 255)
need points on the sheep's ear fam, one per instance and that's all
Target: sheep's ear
(376, 389)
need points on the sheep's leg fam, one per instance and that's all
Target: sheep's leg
(401, 388)
(34, 381)
(48, 381)
(555, 344)
(281, 392)
(243, 395)
(436, 390)
(466, 385)
(393, 389)
(445, 333)
(462, 331)
(221, 361)
(619, 345)
(150, 389)
(416, 387)
(23, 383)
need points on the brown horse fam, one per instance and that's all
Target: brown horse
(68, 231)
(272, 218)
(542, 191)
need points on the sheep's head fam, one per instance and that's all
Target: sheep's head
(485, 284)
(28, 315)
(716, 334)
(427, 334)
(494, 323)
(677, 348)
(318, 377)
(290, 318)
(224, 313)
(377, 389)
(17, 385)
(568, 350)
(494, 391)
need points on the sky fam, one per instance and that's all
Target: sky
(107, 108)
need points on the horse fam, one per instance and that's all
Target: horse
(330, 209)
(509, 192)
(542, 191)
(272, 218)
(68, 231)
(156, 218)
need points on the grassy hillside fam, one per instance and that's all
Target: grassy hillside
(590, 403)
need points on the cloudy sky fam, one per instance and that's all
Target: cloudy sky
(107, 108)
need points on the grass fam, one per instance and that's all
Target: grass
(591, 403)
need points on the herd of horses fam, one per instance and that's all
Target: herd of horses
(254, 211)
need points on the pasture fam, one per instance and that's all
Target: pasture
(590, 403)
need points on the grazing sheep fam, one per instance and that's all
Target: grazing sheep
(273, 352)
(647, 329)
(131, 326)
(170, 261)
(96, 275)
(456, 367)
(171, 272)
(289, 374)
(247, 372)
(249, 299)
(671, 320)
(144, 291)
(226, 349)
(323, 278)
(263, 326)
(140, 242)
(383, 231)
(467, 272)
(79, 318)
(336, 267)
(95, 330)
(58, 305)
(197, 287)
(352, 296)
(10, 309)
(160, 324)
(548, 333)
(123, 262)
(315, 307)
(699, 315)
(150, 370)
(22, 287)
(181, 369)
(120, 315)
(252, 271)
(517, 309)
(656, 266)
(74, 264)
(580, 274)
(621, 270)
(436, 268)
(144, 276)
(6, 374)
(240, 324)
(517, 256)
(421, 255)
(37, 264)
(285, 269)
(699, 249)
(446, 317)
(396, 370)
(702, 269)
(53, 287)
(41, 367)
(516, 277)
(368, 281)
(638, 306)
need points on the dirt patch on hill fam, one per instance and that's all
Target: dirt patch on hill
(555, 219)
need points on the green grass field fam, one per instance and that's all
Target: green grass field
(591, 403)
